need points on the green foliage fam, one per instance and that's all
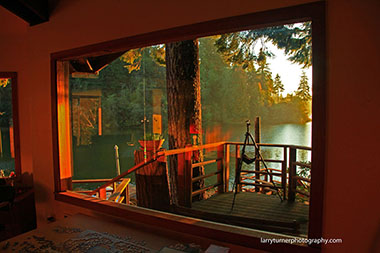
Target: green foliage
(4, 82)
(265, 80)
(295, 40)
(123, 90)
(153, 137)
(233, 94)
(278, 88)
(303, 91)
(132, 59)
(236, 84)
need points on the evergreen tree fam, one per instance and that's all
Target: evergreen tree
(294, 39)
(265, 81)
(303, 91)
(278, 88)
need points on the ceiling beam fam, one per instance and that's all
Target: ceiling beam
(32, 11)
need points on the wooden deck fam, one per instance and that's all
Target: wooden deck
(253, 210)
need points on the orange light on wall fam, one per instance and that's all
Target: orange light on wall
(64, 125)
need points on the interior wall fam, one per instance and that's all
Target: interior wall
(352, 209)
(350, 187)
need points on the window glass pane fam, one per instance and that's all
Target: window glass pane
(113, 110)
(119, 103)
(7, 155)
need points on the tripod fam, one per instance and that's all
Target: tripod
(247, 160)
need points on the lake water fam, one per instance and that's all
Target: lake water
(292, 134)
(98, 160)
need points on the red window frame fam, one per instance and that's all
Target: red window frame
(314, 12)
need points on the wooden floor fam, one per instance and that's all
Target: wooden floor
(254, 210)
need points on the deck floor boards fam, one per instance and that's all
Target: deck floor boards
(256, 206)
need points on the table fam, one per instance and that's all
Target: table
(82, 233)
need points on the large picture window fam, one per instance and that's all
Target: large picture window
(166, 126)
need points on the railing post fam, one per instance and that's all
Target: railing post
(114, 186)
(220, 177)
(237, 160)
(227, 168)
(284, 172)
(126, 195)
(181, 179)
(292, 173)
(257, 155)
(103, 193)
(188, 179)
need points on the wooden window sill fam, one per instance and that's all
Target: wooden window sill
(206, 229)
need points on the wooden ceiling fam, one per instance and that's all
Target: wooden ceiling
(36, 12)
(33, 12)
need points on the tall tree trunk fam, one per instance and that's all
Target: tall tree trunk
(184, 101)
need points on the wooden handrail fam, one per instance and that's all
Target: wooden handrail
(134, 168)
(271, 145)
(302, 178)
(122, 188)
(194, 165)
(189, 149)
(81, 181)
(300, 164)
(258, 144)
(263, 172)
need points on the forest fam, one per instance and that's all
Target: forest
(236, 83)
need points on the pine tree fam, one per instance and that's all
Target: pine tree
(278, 88)
(295, 40)
(265, 78)
(303, 91)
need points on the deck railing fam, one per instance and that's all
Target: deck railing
(259, 178)
(286, 179)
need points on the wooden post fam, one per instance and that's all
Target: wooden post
(117, 160)
(237, 155)
(114, 186)
(283, 172)
(292, 173)
(257, 155)
(100, 132)
(220, 165)
(227, 168)
(78, 123)
(103, 193)
(180, 194)
(188, 180)
(152, 189)
(184, 180)
(126, 195)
